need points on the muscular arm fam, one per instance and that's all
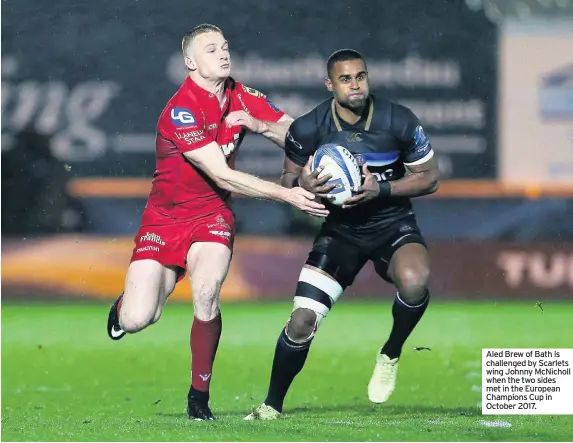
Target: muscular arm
(211, 160)
(422, 179)
(422, 173)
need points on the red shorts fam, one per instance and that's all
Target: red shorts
(167, 240)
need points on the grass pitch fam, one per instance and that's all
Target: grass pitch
(63, 379)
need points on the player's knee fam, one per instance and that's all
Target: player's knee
(157, 315)
(411, 283)
(135, 320)
(302, 324)
(206, 297)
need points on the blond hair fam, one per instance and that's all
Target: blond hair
(197, 30)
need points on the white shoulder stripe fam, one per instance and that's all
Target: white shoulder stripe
(423, 160)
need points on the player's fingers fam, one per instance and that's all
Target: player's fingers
(306, 194)
(324, 189)
(318, 212)
(314, 174)
(322, 180)
(352, 201)
(365, 170)
(314, 204)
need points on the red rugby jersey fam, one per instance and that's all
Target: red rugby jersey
(192, 119)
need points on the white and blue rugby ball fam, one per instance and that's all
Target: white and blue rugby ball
(341, 164)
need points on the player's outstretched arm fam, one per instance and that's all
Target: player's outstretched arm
(274, 131)
(211, 160)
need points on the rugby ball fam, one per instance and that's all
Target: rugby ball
(341, 164)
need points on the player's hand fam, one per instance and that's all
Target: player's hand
(309, 180)
(242, 118)
(304, 200)
(368, 191)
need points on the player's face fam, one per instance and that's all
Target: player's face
(210, 55)
(349, 83)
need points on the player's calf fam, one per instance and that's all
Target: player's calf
(315, 295)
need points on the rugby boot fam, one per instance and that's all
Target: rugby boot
(198, 409)
(263, 412)
(113, 329)
(383, 379)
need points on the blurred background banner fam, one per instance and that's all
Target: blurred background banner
(536, 101)
(83, 85)
(76, 267)
(96, 80)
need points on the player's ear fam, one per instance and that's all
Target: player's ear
(328, 83)
(190, 63)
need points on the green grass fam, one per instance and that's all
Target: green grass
(63, 379)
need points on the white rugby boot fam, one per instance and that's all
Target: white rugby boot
(263, 412)
(383, 379)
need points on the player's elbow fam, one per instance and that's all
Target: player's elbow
(432, 182)
(223, 178)
(433, 186)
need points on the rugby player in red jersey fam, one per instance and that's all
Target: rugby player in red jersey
(188, 224)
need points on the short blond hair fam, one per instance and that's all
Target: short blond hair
(197, 30)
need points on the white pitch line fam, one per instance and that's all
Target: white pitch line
(495, 424)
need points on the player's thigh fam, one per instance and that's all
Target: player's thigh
(401, 252)
(148, 283)
(409, 266)
(332, 265)
(208, 264)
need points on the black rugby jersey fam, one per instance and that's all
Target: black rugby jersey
(388, 136)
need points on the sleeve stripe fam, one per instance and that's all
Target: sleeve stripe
(424, 159)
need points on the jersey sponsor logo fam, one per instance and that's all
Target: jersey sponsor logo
(272, 105)
(355, 137)
(147, 248)
(182, 117)
(191, 137)
(291, 139)
(212, 127)
(152, 237)
(224, 234)
(383, 176)
(420, 139)
(253, 91)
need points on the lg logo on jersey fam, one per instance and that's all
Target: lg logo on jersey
(182, 117)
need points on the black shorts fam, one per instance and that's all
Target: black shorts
(343, 252)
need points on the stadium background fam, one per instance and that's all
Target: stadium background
(82, 86)
(82, 89)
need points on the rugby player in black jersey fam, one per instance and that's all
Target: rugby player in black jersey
(377, 223)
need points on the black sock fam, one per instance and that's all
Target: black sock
(287, 363)
(405, 320)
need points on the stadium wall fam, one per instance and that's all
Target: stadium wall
(86, 268)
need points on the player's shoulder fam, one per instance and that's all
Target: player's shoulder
(181, 110)
(310, 121)
(240, 88)
(401, 114)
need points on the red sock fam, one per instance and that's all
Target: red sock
(204, 342)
